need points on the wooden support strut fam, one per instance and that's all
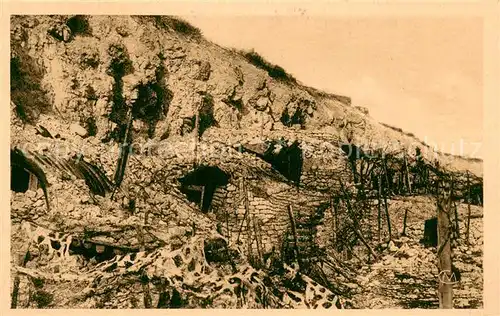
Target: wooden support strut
(196, 136)
(15, 287)
(404, 222)
(147, 300)
(445, 289)
(294, 233)
(258, 239)
(468, 209)
(335, 219)
(387, 215)
(379, 212)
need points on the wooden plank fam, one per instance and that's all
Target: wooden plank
(445, 290)
(202, 197)
(258, 239)
(15, 288)
(33, 182)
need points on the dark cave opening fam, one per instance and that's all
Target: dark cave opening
(27, 92)
(78, 24)
(288, 160)
(153, 101)
(298, 117)
(120, 66)
(19, 179)
(91, 250)
(25, 174)
(430, 238)
(199, 185)
(206, 114)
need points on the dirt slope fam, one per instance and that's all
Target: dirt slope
(82, 85)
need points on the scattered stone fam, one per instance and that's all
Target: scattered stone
(39, 192)
(78, 130)
(392, 247)
(31, 194)
(262, 103)
(84, 198)
(362, 279)
(404, 239)
(352, 286)
(374, 283)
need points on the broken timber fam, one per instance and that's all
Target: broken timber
(445, 290)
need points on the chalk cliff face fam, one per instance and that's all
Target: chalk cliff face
(235, 169)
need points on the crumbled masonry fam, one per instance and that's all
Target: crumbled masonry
(237, 188)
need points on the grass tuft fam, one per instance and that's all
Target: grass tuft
(274, 71)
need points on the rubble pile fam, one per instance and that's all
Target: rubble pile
(178, 174)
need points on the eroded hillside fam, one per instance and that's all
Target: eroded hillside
(152, 168)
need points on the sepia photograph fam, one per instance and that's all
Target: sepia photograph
(246, 161)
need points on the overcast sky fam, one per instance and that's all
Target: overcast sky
(423, 75)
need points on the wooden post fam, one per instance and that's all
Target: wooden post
(226, 213)
(401, 182)
(144, 282)
(444, 246)
(454, 215)
(196, 135)
(425, 178)
(33, 182)
(202, 197)
(258, 237)
(468, 209)
(334, 213)
(378, 206)
(457, 225)
(124, 154)
(249, 226)
(361, 168)
(407, 175)
(294, 233)
(384, 161)
(15, 288)
(387, 215)
(404, 223)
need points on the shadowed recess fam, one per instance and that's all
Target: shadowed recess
(23, 167)
(200, 184)
(287, 160)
